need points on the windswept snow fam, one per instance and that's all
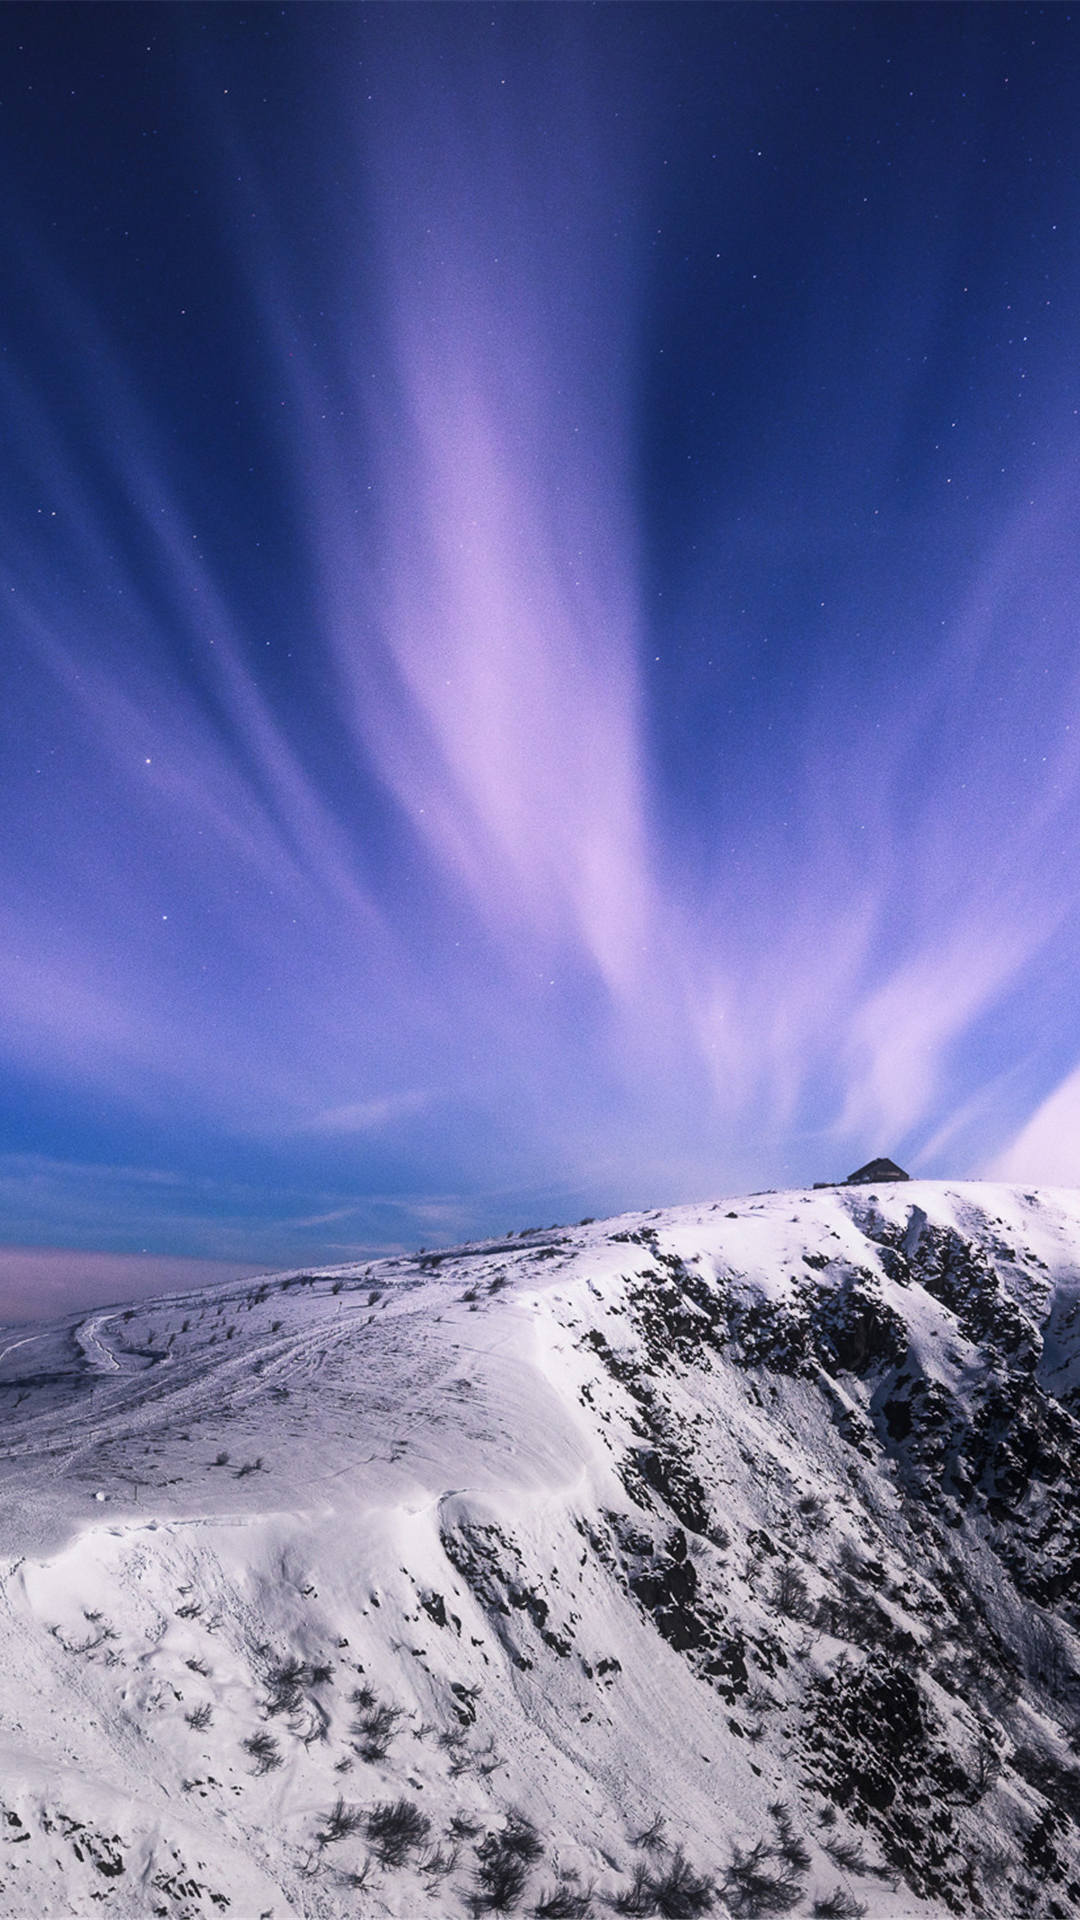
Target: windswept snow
(723, 1559)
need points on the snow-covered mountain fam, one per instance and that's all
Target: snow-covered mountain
(723, 1559)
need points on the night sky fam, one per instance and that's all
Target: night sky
(539, 576)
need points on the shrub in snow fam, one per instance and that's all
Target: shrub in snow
(357, 1881)
(759, 1883)
(438, 1861)
(395, 1828)
(654, 1835)
(373, 1730)
(637, 1898)
(505, 1859)
(789, 1847)
(847, 1854)
(566, 1903)
(339, 1823)
(838, 1906)
(481, 1761)
(501, 1883)
(519, 1837)
(284, 1683)
(263, 1749)
(679, 1893)
(789, 1593)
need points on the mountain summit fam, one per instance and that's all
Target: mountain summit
(723, 1559)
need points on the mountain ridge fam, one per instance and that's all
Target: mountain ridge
(719, 1558)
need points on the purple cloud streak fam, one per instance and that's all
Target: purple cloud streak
(460, 881)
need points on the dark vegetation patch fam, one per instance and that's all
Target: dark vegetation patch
(872, 1746)
(374, 1726)
(672, 1889)
(395, 1829)
(503, 1863)
(564, 1902)
(264, 1750)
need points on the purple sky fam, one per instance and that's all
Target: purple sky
(539, 592)
(41, 1283)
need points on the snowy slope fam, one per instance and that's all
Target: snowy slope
(723, 1559)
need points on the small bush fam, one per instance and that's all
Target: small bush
(679, 1892)
(249, 1466)
(374, 1729)
(505, 1859)
(339, 1823)
(847, 1854)
(636, 1899)
(520, 1838)
(395, 1828)
(790, 1848)
(285, 1682)
(438, 1861)
(263, 1749)
(463, 1827)
(755, 1885)
(789, 1594)
(986, 1769)
(654, 1836)
(566, 1903)
(197, 1666)
(501, 1878)
(357, 1881)
(200, 1717)
(838, 1906)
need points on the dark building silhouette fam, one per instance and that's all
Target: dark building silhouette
(867, 1176)
(876, 1170)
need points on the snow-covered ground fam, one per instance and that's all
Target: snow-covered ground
(722, 1559)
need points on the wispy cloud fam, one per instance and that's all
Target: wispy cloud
(1047, 1148)
(368, 1116)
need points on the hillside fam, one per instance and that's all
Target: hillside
(722, 1559)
